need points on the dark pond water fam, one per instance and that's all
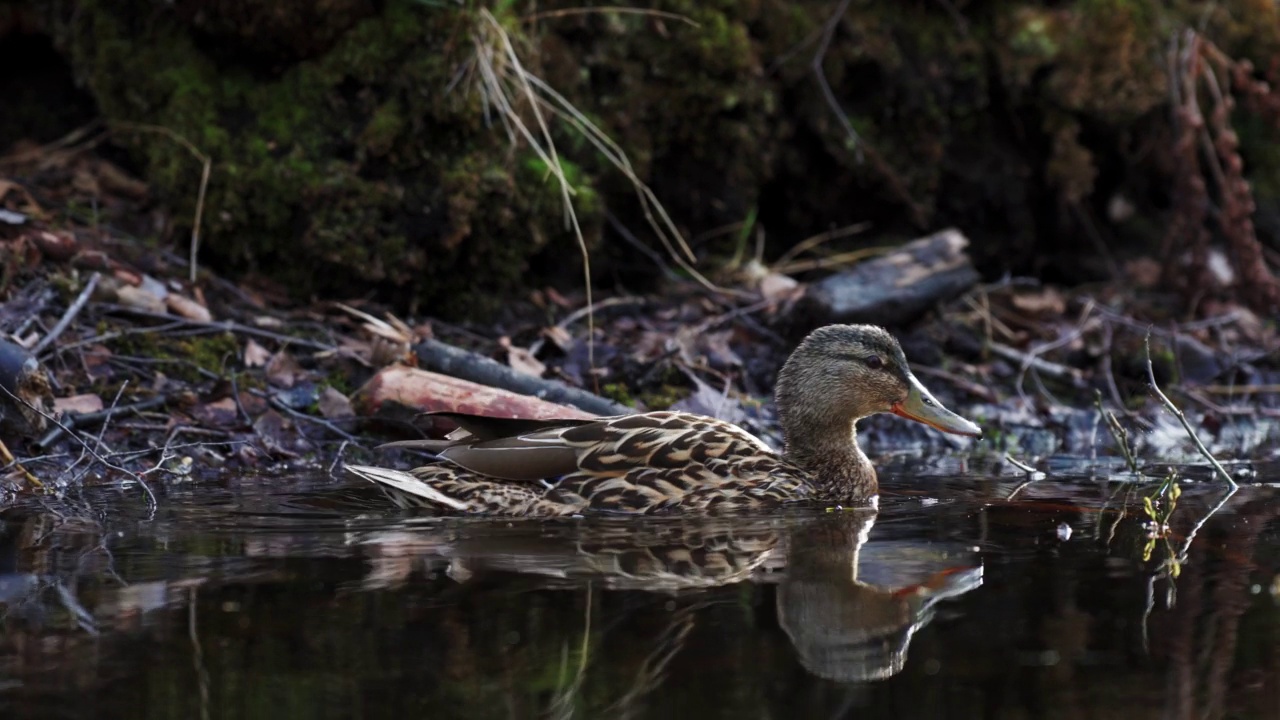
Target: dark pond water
(305, 598)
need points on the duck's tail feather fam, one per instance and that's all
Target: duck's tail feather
(405, 489)
(451, 488)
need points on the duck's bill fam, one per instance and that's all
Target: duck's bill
(921, 406)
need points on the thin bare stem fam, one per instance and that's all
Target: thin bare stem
(206, 167)
(1182, 418)
(828, 34)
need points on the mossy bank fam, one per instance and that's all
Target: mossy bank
(353, 147)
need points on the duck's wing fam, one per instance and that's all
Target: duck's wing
(473, 429)
(483, 427)
(608, 447)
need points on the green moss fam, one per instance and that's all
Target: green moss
(618, 393)
(181, 357)
(352, 162)
(664, 397)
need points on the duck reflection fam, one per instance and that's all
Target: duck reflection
(848, 606)
(848, 630)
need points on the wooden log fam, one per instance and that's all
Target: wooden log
(893, 289)
(425, 391)
(459, 363)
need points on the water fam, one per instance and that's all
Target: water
(306, 598)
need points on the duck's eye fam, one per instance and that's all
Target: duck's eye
(874, 362)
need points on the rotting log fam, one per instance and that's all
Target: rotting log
(459, 363)
(893, 289)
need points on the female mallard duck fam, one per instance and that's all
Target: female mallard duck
(660, 461)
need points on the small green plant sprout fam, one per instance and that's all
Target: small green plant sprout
(1159, 506)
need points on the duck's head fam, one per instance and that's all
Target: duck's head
(841, 373)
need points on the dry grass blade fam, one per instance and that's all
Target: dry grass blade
(821, 239)
(494, 68)
(654, 211)
(612, 9)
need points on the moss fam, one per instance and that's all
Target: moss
(353, 161)
(618, 393)
(181, 357)
(375, 165)
(664, 397)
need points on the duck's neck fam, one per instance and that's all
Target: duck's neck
(840, 471)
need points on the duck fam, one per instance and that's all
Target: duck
(668, 461)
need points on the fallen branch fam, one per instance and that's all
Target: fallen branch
(1052, 369)
(65, 321)
(893, 289)
(459, 363)
(75, 421)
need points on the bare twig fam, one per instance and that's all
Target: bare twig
(72, 311)
(1031, 361)
(821, 238)
(1020, 465)
(151, 497)
(1118, 433)
(828, 34)
(175, 323)
(77, 421)
(323, 422)
(1182, 418)
(976, 389)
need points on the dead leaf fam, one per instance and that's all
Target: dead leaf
(1047, 302)
(276, 434)
(27, 204)
(521, 360)
(334, 405)
(554, 296)
(255, 355)
(383, 352)
(558, 337)
(97, 362)
(80, 404)
(59, 246)
(221, 413)
(778, 289)
(188, 308)
(1144, 272)
(709, 347)
(711, 402)
(282, 370)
